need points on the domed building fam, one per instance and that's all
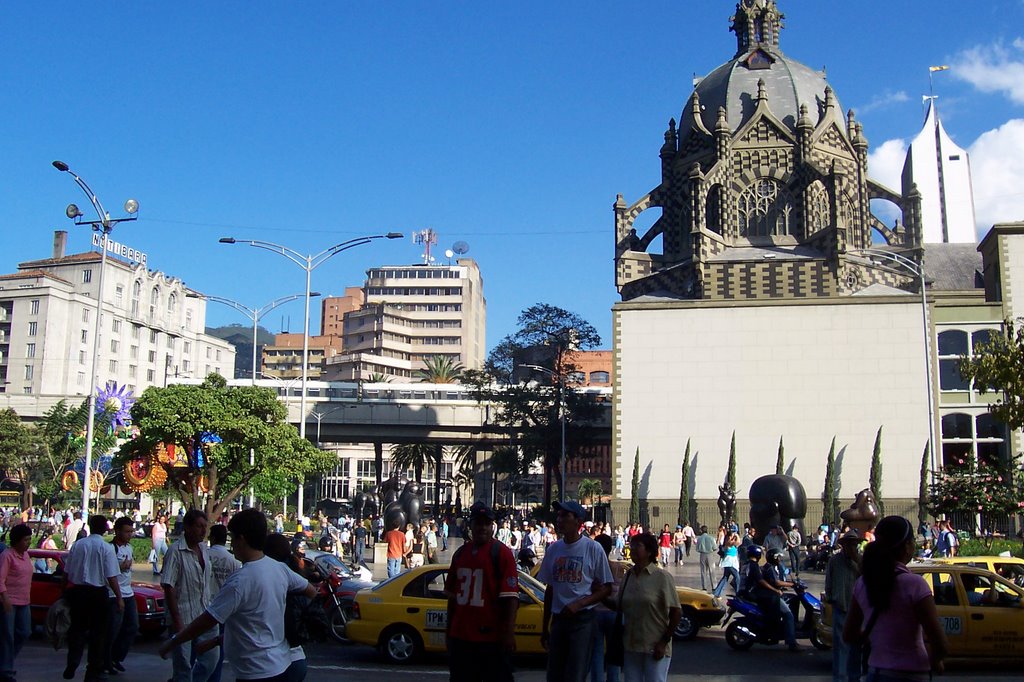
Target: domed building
(780, 307)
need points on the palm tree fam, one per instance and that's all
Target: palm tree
(589, 489)
(412, 456)
(378, 378)
(441, 369)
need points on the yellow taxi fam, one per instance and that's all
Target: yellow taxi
(406, 616)
(699, 609)
(1011, 568)
(981, 612)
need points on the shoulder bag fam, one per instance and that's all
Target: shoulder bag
(614, 647)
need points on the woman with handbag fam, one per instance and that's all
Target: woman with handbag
(650, 613)
(730, 564)
(898, 608)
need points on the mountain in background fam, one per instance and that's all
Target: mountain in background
(240, 336)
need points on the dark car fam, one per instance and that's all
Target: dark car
(47, 589)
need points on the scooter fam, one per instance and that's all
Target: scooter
(753, 626)
(337, 591)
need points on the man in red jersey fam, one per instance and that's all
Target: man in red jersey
(483, 597)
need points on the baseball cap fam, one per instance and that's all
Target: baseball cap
(481, 509)
(572, 507)
(851, 536)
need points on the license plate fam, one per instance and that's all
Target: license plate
(952, 625)
(436, 619)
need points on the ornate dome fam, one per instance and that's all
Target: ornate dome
(734, 85)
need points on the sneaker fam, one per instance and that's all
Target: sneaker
(119, 667)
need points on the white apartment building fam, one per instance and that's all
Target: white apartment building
(152, 329)
(413, 313)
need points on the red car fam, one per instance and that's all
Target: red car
(46, 589)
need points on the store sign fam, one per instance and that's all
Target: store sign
(121, 250)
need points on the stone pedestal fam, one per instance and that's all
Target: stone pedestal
(380, 552)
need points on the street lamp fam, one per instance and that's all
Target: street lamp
(253, 314)
(308, 263)
(319, 416)
(917, 271)
(103, 225)
(561, 417)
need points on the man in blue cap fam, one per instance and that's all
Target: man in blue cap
(577, 576)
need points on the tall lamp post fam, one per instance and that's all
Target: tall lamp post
(254, 314)
(308, 263)
(104, 224)
(561, 418)
(918, 271)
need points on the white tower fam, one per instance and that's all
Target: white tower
(942, 172)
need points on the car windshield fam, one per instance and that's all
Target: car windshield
(332, 563)
(531, 585)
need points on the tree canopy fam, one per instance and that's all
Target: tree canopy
(997, 366)
(243, 417)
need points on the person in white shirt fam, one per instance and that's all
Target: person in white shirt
(90, 567)
(73, 528)
(124, 625)
(250, 605)
(187, 575)
(224, 564)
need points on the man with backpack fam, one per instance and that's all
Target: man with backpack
(483, 598)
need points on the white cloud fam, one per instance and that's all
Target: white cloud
(882, 101)
(997, 167)
(993, 68)
(885, 163)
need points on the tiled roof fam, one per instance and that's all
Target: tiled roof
(28, 274)
(953, 267)
(85, 257)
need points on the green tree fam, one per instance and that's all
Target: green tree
(780, 461)
(997, 366)
(19, 451)
(590, 489)
(530, 402)
(972, 487)
(828, 493)
(634, 490)
(730, 476)
(683, 513)
(923, 488)
(875, 476)
(61, 438)
(243, 417)
(440, 369)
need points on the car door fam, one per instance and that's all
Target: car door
(46, 589)
(530, 616)
(996, 626)
(950, 605)
(425, 607)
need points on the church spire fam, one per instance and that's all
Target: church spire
(757, 23)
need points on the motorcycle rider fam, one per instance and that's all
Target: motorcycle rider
(769, 592)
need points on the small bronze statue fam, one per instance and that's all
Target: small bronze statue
(727, 503)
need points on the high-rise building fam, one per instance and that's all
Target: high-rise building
(152, 327)
(942, 173)
(414, 313)
(333, 309)
(283, 359)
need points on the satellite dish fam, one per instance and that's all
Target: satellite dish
(460, 247)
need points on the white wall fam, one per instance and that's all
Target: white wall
(806, 372)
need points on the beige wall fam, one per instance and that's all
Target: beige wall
(808, 372)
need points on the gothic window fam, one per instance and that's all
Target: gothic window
(713, 217)
(820, 214)
(765, 210)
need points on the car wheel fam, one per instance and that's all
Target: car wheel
(339, 618)
(687, 628)
(401, 645)
(738, 636)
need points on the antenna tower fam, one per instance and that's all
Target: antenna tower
(426, 238)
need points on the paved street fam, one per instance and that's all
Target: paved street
(707, 658)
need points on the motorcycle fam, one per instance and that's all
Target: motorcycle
(337, 591)
(753, 626)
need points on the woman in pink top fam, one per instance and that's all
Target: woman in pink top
(159, 538)
(15, 587)
(895, 609)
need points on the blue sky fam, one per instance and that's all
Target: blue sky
(510, 126)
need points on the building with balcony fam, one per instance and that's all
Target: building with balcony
(152, 329)
(283, 359)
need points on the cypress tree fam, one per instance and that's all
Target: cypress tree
(684, 487)
(731, 475)
(780, 462)
(875, 477)
(828, 494)
(634, 500)
(922, 491)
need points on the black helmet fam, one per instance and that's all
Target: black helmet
(773, 555)
(326, 544)
(754, 552)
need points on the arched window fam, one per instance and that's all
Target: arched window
(136, 295)
(820, 214)
(713, 217)
(172, 304)
(154, 300)
(765, 209)
(599, 377)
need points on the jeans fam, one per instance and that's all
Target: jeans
(777, 608)
(599, 672)
(794, 560)
(159, 550)
(394, 567)
(845, 658)
(727, 572)
(187, 667)
(570, 642)
(296, 672)
(123, 628)
(90, 622)
(359, 551)
(706, 572)
(17, 626)
(478, 662)
(640, 667)
(679, 554)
